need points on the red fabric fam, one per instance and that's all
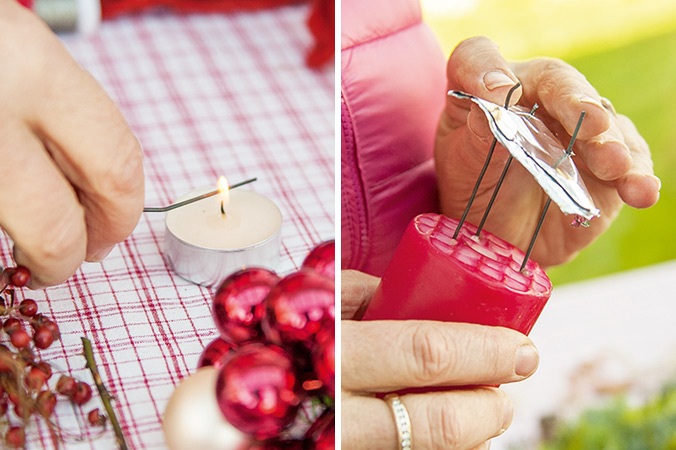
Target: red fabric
(206, 95)
(322, 25)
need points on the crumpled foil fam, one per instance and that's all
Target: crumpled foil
(532, 144)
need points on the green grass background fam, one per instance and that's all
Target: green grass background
(640, 80)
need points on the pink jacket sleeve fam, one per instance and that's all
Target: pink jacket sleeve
(392, 93)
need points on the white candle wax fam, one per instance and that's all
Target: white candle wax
(204, 246)
(250, 218)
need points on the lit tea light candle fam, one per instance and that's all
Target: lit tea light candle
(208, 239)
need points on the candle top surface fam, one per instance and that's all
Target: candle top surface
(250, 219)
(488, 257)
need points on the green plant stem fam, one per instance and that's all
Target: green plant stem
(103, 392)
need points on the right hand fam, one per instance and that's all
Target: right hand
(386, 356)
(72, 184)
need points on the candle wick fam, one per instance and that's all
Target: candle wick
(222, 209)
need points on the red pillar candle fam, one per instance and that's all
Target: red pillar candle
(469, 279)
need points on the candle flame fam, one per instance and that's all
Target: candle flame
(223, 190)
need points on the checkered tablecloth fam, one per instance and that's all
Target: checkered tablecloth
(206, 95)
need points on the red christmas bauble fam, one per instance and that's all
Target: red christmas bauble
(323, 259)
(298, 307)
(324, 360)
(323, 431)
(215, 353)
(258, 391)
(234, 306)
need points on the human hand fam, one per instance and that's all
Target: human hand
(72, 184)
(614, 160)
(385, 356)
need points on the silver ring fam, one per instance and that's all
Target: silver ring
(609, 106)
(402, 421)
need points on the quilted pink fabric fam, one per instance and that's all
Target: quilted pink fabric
(392, 92)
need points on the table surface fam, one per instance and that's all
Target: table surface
(206, 95)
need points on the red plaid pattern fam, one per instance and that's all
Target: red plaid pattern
(206, 95)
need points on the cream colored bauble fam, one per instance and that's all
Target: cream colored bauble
(193, 421)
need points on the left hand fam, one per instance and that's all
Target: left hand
(613, 159)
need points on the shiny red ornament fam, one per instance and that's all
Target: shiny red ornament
(274, 444)
(234, 306)
(215, 354)
(258, 391)
(323, 259)
(324, 360)
(298, 307)
(323, 431)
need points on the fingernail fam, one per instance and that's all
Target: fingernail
(657, 181)
(100, 255)
(527, 360)
(590, 100)
(508, 413)
(496, 79)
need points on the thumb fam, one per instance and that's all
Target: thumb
(477, 67)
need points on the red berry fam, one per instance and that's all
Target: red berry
(53, 327)
(66, 386)
(20, 339)
(298, 307)
(15, 437)
(11, 325)
(19, 276)
(257, 390)
(45, 403)
(215, 353)
(83, 393)
(3, 405)
(323, 259)
(35, 378)
(43, 337)
(324, 360)
(28, 308)
(45, 368)
(235, 302)
(94, 417)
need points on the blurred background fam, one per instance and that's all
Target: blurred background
(627, 50)
(607, 340)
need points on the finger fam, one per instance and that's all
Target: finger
(451, 420)
(564, 93)
(384, 356)
(39, 209)
(477, 67)
(356, 290)
(606, 155)
(639, 188)
(92, 145)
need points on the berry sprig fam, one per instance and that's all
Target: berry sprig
(275, 354)
(25, 391)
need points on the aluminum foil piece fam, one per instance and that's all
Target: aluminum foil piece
(532, 144)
